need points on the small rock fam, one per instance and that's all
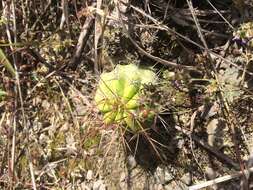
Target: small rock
(131, 162)
(215, 131)
(210, 173)
(89, 175)
(187, 179)
(45, 104)
(168, 176)
(99, 185)
(160, 175)
(84, 186)
(180, 143)
(159, 187)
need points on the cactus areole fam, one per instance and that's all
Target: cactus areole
(119, 92)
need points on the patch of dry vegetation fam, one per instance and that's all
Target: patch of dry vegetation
(52, 53)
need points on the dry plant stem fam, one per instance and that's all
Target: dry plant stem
(38, 84)
(2, 165)
(6, 14)
(41, 15)
(220, 179)
(191, 143)
(97, 35)
(142, 51)
(232, 122)
(49, 166)
(230, 25)
(18, 93)
(24, 20)
(113, 139)
(161, 26)
(68, 104)
(13, 148)
(181, 20)
(65, 14)
(199, 29)
(232, 126)
(82, 41)
(210, 149)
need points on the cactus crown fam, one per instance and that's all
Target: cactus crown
(118, 94)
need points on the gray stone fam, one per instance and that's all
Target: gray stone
(187, 179)
(89, 175)
(168, 176)
(99, 185)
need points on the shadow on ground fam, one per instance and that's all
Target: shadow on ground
(156, 146)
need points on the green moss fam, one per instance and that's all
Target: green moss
(57, 141)
(91, 141)
(23, 163)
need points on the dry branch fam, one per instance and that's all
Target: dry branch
(220, 179)
(83, 38)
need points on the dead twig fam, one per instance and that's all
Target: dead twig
(220, 156)
(65, 14)
(10, 9)
(220, 179)
(97, 35)
(227, 112)
(142, 51)
(82, 41)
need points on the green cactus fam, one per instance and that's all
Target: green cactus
(118, 95)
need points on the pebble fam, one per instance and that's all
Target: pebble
(186, 179)
(168, 176)
(84, 187)
(131, 162)
(99, 185)
(210, 173)
(89, 175)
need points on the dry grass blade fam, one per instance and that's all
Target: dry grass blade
(54, 133)
(82, 41)
(220, 179)
(7, 64)
(142, 51)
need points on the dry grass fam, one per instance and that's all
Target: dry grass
(51, 133)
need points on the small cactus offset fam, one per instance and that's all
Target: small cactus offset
(119, 93)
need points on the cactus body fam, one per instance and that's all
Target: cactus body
(118, 94)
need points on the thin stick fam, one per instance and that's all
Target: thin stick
(161, 26)
(97, 35)
(219, 13)
(65, 14)
(220, 179)
(83, 38)
(19, 95)
(217, 154)
(142, 51)
(75, 121)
